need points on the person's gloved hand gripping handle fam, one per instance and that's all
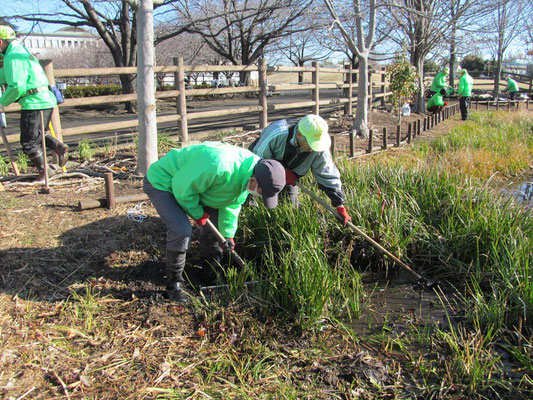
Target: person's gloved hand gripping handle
(202, 220)
(341, 210)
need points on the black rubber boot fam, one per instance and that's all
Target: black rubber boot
(175, 265)
(38, 162)
(61, 149)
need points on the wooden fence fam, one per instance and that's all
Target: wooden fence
(348, 82)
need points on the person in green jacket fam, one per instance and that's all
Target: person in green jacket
(28, 85)
(512, 88)
(436, 103)
(439, 84)
(209, 180)
(466, 83)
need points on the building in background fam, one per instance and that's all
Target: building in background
(43, 44)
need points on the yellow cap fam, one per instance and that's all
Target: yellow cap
(315, 130)
(6, 32)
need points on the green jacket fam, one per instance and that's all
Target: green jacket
(512, 86)
(210, 174)
(435, 100)
(22, 72)
(466, 83)
(439, 82)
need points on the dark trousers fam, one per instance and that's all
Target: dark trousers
(464, 105)
(179, 228)
(30, 131)
(512, 95)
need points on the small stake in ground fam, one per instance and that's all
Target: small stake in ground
(46, 189)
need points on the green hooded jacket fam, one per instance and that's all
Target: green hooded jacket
(22, 72)
(512, 86)
(435, 100)
(439, 82)
(210, 174)
(466, 83)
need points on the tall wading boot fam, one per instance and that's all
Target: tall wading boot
(175, 263)
(61, 149)
(38, 162)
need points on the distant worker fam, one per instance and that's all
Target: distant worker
(208, 180)
(436, 104)
(439, 84)
(301, 147)
(466, 83)
(28, 85)
(512, 88)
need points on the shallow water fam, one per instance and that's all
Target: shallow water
(521, 189)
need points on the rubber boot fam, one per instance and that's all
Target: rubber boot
(61, 149)
(38, 162)
(175, 263)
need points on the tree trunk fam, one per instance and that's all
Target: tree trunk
(420, 104)
(451, 78)
(147, 151)
(360, 126)
(127, 83)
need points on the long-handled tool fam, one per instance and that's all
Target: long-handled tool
(364, 235)
(225, 243)
(6, 143)
(46, 188)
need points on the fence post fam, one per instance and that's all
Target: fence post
(487, 105)
(352, 144)
(370, 141)
(409, 133)
(48, 67)
(385, 138)
(370, 91)
(263, 113)
(398, 134)
(316, 82)
(181, 103)
(348, 92)
(497, 104)
(383, 85)
(418, 125)
(332, 137)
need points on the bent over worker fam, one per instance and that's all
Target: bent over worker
(512, 88)
(439, 84)
(303, 147)
(436, 103)
(209, 180)
(28, 85)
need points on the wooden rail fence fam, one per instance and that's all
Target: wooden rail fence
(182, 115)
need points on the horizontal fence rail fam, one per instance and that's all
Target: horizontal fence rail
(347, 84)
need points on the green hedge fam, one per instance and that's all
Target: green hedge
(90, 91)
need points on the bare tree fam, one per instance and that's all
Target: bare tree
(302, 47)
(360, 45)
(241, 30)
(509, 22)
(115, 22)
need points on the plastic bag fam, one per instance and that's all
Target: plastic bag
(58, 93)
(406, 110)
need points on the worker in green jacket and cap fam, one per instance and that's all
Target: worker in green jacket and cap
(440, 84)
(436, 103)
(209, 180)
(28, 85)
(512, 88)
(466, 83)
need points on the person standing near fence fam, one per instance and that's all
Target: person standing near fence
(512, 88)
(28, 85)
(466, 83)
(301, 147)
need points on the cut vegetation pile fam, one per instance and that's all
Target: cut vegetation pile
(80, 316)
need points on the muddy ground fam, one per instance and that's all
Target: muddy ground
(81, 315)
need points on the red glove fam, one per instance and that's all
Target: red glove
(290, 177)
(202, 220)
(228, 245)
(341, 210)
